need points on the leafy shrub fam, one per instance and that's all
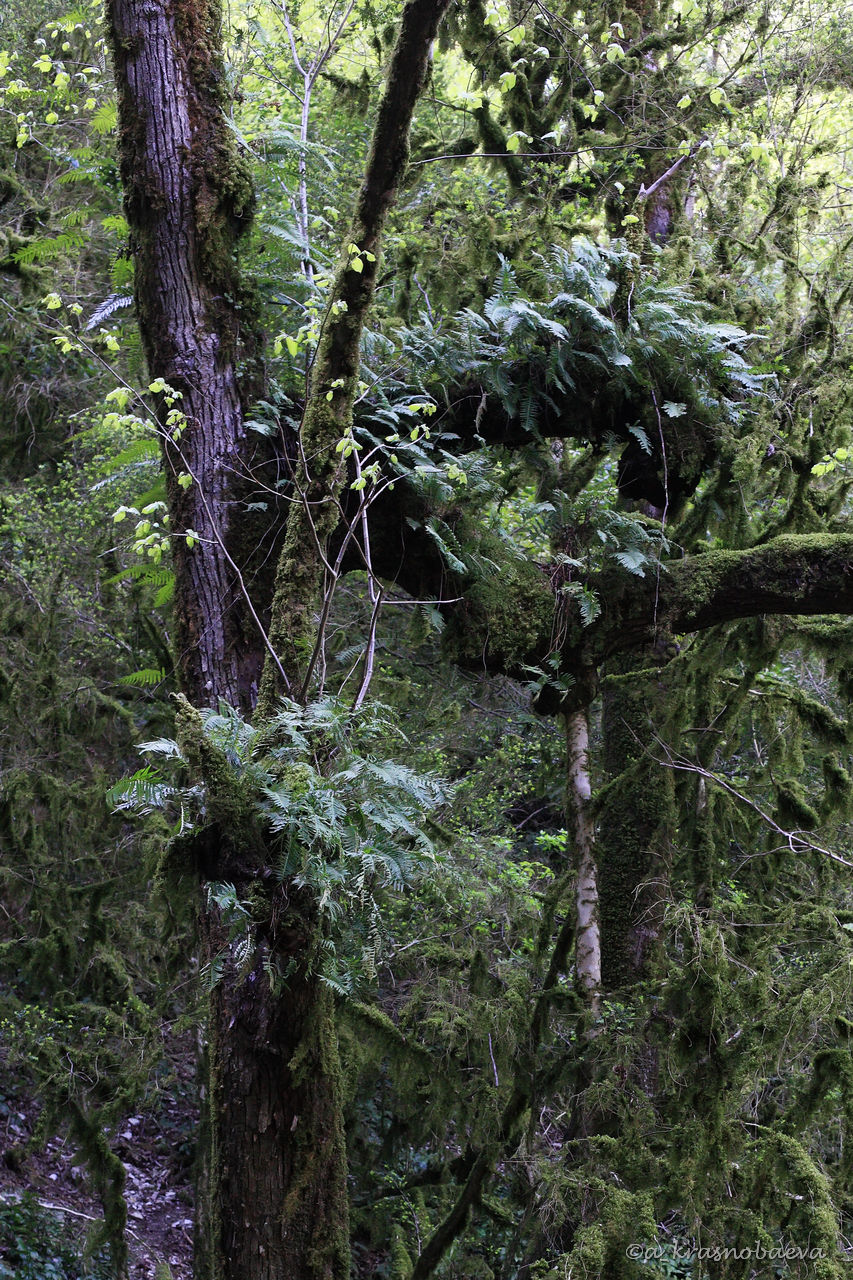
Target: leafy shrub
(36, 1244)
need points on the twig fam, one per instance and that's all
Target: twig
(665, 505)
(494, 1064)
(796, 841)
(645, 191)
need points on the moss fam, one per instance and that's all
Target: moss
(229, 803)
(839, 786)
(317, 1057)
(793, 808)
(637, 815)
(401, 1262)
(505, 618)
(108, 1176)
(789, 1183)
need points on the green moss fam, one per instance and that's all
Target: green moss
(792, 806)
(317, 1057)
(401, 1262)
(230, 805)
(505, 617)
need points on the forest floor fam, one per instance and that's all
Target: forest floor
(153, 1147)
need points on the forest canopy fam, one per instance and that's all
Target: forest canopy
(425, 762)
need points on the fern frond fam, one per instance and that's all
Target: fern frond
(115, 302)
(144, 678)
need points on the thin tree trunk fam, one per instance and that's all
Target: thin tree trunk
(579, 795)
(334, 376)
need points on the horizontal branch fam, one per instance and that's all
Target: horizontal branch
(794, 574)
(505, 618)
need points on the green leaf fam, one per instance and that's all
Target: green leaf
(104, 120)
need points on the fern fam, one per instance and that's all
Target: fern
(49, 249)
(154, 575)
(105, 119)
(342, 822)
(144, 678)
(115, 302)
(143, 793)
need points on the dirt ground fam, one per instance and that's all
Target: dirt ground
(154, 1150)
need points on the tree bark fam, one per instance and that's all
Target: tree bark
(278, 1191)
(273, 1202)
(188, 197)
(272, 1186)
(636, 818)
(587, 931)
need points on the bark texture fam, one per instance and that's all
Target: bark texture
(188, 198)
(280, 1206)
(635, 819)
(587, 931)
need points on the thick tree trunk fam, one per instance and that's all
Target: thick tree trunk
(636, 819)
(278, 1155)
(187, 198)
(273, 1202)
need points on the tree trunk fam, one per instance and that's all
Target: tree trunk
(579, 795)
(272, 1193)
(188, 197)
(636, 818)
(278, 1203)
(273, 1200)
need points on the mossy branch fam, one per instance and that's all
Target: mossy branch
(334, 378)
(790, 575)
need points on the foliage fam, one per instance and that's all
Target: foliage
(612, 330)
(36, 1244)
(344, 824)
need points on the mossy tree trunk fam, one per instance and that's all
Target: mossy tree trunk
(273, 1202)
(636, 817)
(277, 1198)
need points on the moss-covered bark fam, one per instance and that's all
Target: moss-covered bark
(277, 1151)
(327, 418)
(636, 819)
(508, 622)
